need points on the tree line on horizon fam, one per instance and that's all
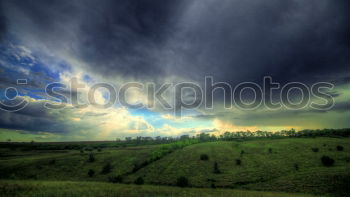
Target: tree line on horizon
(247, 135)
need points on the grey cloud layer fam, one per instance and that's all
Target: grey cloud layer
(231, 40)
(153, 40)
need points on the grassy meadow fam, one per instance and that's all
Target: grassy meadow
(260, 167)
(78, 189)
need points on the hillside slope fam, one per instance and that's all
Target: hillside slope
(289, 165)
(278, 165)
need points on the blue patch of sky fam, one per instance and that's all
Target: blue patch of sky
(15, 66)
(157, 121)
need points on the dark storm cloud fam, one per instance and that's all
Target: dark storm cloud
(2, 22)
(111, 37)
(289, 40)
(231, 40)
(34, 117)
(28, 122)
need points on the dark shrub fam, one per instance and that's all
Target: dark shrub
(296, 166)
(270, 150)
(91, 157)
(91, 173)
(81, 151)
(204, 157)
(99, 149)
(238, 162)
(242, 152)
(144, 164)
(139, 166)
(347, 159)
(52, 162)
(106, 168)
(340, 148)
(315, 150)
(216, 168)
(211, 180)
(327, 161)
(89, 149)
(213, 186)
(139, 181)
(182, 181)
(135, 168)
(115, 179)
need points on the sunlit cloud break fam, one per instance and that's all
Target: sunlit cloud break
(74, 70)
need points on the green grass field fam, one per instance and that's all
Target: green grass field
(78, 189)
(269, 165)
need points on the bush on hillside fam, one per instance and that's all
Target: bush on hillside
(327, 161)
(115, 179)
(270, 150)
(340, 148)
(296, 166)
(315, 150)
(204, 157)
(91, 173)
(216, 168)
(238, 162)
(91, 157)
(106, 168)
(139, 181)
(88, 149)
(182, 181)
(52, 162)
(213, 186)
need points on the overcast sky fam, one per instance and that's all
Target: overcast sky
(172, 41)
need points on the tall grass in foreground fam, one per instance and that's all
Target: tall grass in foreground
(87, 189)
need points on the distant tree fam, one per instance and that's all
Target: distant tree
(315, 150)
(99, 149)
(184, 137)
(204, 157)
(52, 162)
(296, 166)
(242, 152)
(89, 149)
(216, 168)
(340, 148)
(91, 173)
(139, 181)
(136, 168)
(106, 168)
(128, 139)
(270, 150)
(213, 186)
(182, 181)
(327, 161)
(81, 151)
(238, 162)
(204, 137)
(91, 157)
(115, 179)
